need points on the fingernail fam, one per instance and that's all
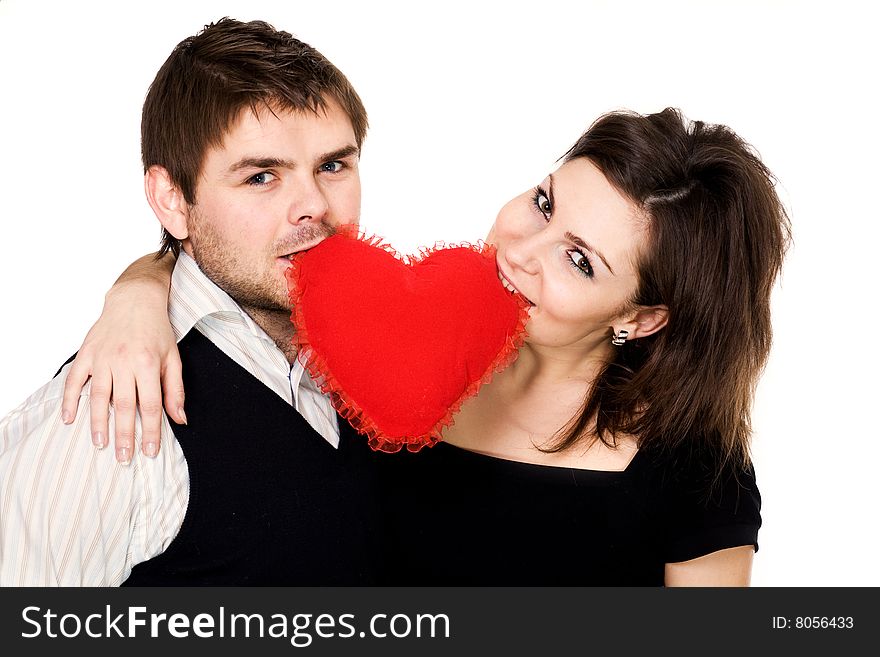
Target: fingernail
(98, 440)
(123, 455)
(151, 449)
(181, 414)
(65, 416)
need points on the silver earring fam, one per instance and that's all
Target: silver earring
(617, 339)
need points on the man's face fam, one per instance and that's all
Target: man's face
(280, 183)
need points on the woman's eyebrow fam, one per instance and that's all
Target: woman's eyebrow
(574, 238)
(581, 243)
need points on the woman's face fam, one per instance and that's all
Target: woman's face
(571, 247)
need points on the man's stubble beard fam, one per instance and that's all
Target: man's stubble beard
(253, 289)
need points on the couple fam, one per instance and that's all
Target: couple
(613, 451)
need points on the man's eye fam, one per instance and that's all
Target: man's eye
(262, 178)
(332, 167)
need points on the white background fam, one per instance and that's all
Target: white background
(470, 103)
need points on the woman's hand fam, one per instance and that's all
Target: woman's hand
(131, 356)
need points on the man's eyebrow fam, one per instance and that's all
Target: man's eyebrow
(256, 162)
(581, 243)
(261, 163)
(340, 154)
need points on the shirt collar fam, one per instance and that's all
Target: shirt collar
(195, 297)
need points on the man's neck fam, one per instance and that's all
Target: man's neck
(277, 326)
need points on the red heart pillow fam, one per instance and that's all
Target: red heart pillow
(401, 343)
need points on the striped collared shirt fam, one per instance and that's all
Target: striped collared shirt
(70, 515)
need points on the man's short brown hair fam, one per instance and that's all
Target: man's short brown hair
(211, 77)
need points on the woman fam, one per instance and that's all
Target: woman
(615, 449)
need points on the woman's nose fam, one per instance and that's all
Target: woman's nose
(524, 253)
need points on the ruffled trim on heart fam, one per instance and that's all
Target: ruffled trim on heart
(320, 372)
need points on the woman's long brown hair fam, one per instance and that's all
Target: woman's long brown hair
(717, 237)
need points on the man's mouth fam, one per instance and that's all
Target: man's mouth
(510, 287)
(305, 239)
(305, 246)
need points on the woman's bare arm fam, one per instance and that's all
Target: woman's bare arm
(131, 356)
(730, 567)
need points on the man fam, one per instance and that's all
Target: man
(250, 145)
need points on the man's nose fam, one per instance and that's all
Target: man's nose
(309, 203)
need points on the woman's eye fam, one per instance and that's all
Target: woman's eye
(332, 167)
(262, 178)
(542, 202)
(580, 262)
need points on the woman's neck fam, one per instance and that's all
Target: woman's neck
(527, 406)
(553, 369)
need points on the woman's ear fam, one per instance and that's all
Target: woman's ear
(167, 201)
(645, 321)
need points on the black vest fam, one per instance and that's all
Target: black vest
(270, 502)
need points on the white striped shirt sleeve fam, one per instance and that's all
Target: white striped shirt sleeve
(70, 515)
